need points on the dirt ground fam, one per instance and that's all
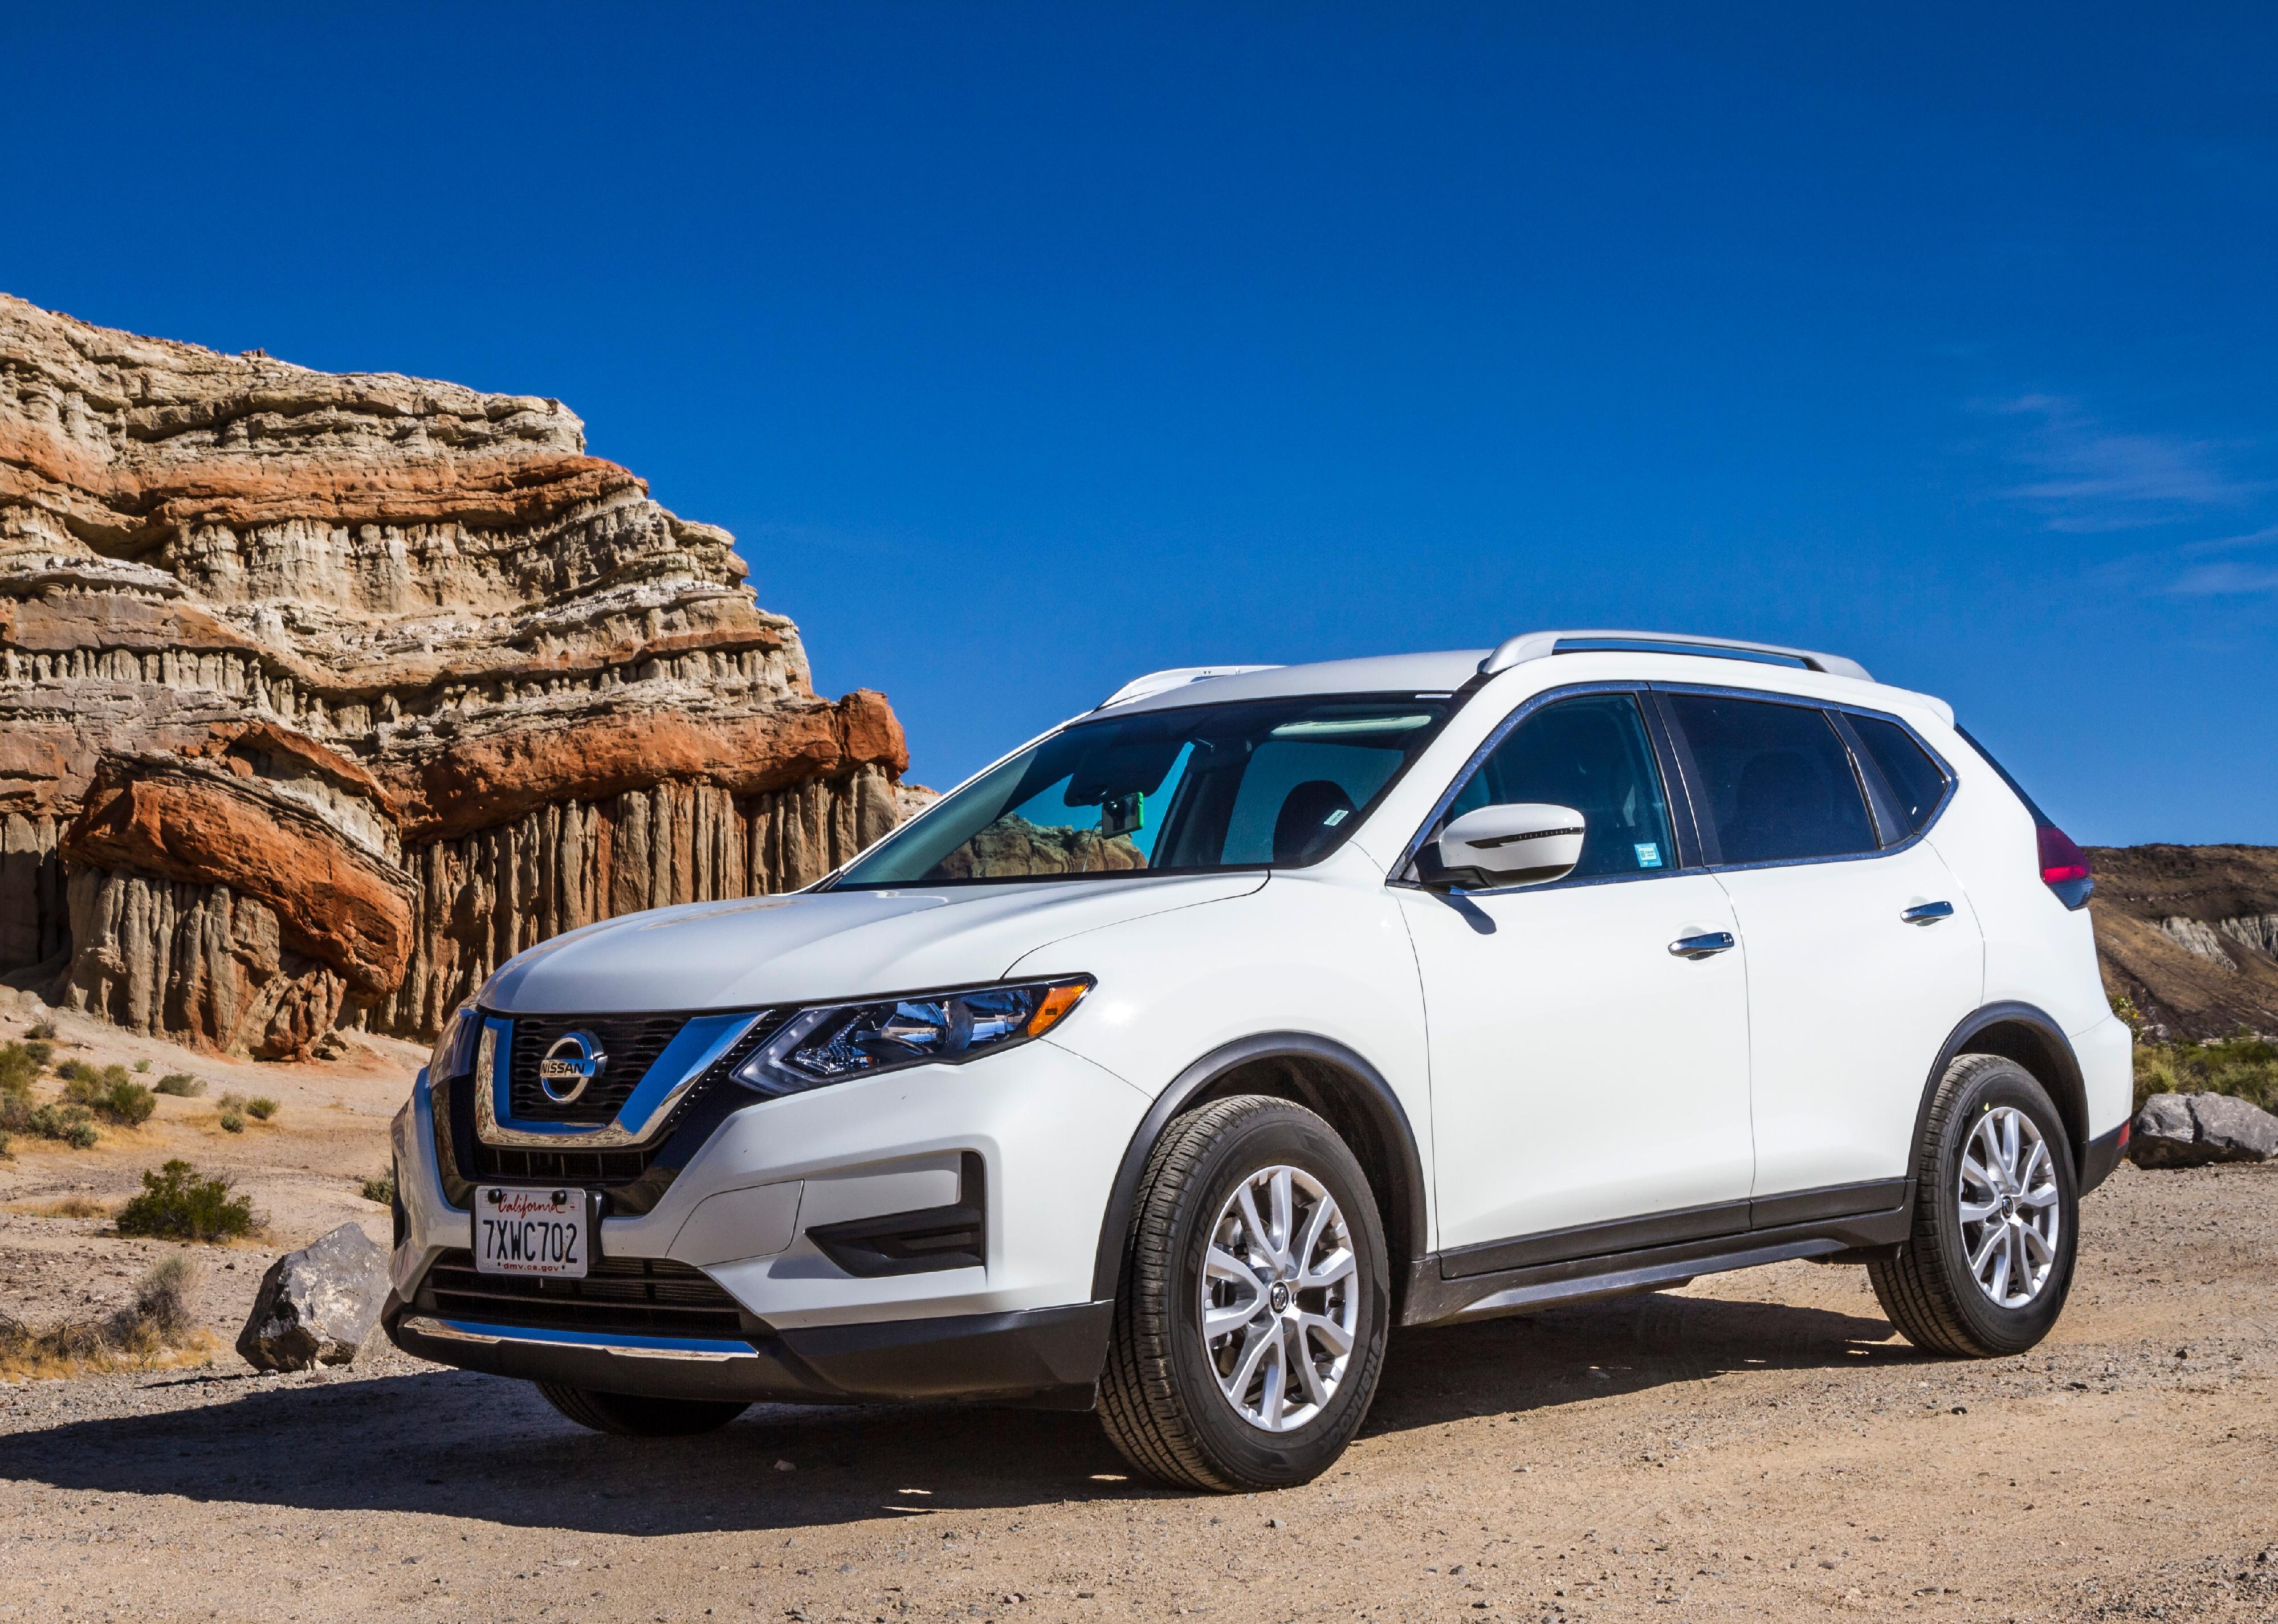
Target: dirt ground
(303, 1168)
(1755, 1445)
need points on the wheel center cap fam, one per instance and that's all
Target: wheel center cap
(1276, 1297)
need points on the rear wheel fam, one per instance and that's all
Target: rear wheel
(1990, 1263)
(1249, 1329)
(627, 1415)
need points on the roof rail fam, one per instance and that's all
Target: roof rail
(1160, 682)
(1542, 644)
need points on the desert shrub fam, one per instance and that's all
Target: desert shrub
(141, 1066)
(261, 1108)
(2244, 1065)
(16, 1069)
(232, 1101)
(160, 1314)
(111, 1092)
(179, 1203)
(128, 1104)
(87, 1084)
(232, 1120)
(7, 1146)
(41, 1050)
(380, 1187)
(59, 1119)
(181, 1084)
(45, 1030)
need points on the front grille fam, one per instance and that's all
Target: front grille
(632, 1043)
(645, 1296)
(637, 1175)
(578, 1167)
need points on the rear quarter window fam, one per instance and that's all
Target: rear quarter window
(1915, 781)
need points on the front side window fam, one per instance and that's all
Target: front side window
(1592, 754)
(1776, 781)
(1264, 783)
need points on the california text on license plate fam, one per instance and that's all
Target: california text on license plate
(531, 1232)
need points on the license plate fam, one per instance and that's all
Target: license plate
(531, 1232)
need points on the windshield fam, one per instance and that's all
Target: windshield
(1270, 783)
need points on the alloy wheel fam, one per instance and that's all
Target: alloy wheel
(2009, 1209)
(1280, 1307)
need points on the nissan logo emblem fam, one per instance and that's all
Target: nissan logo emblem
(575, 1060)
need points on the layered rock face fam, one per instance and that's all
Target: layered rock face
(321, 695)
(2190, 934)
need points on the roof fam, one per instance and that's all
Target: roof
(1448, 671)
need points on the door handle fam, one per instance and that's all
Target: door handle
(1707, 946)
(1928, 913)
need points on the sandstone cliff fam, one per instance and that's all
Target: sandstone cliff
(321, 693)
(2190, 934)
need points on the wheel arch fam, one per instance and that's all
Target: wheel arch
(1326, 1077)
(2031, 1037)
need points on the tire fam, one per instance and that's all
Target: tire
(626, 1416)
(1164, 1396)
(1931, 1290)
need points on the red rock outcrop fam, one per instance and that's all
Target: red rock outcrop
(2189, 935)
(320, 695)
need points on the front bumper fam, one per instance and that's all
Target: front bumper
(1030, 1138)
(1048, 1358)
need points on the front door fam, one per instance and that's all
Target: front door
(1582, 1072)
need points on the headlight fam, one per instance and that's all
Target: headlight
(454, 1046)
(838, 1041)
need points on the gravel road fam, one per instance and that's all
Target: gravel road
(1755, 1445)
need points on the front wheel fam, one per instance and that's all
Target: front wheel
(1249, 1329)
(1988, 1266)
(629, 1415)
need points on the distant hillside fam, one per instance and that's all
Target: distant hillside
(2190, 934)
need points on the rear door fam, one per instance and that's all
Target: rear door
(1862, 952)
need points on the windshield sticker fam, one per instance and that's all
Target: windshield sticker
(1649, 854)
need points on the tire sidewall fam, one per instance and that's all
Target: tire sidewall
(1297, 1138)
(2002, 1330)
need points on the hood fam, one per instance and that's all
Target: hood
(820, 945)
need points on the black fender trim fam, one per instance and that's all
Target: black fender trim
(1406, 1226)
(2101, 1156)
(1037, 1358)
(2051, 1049)
(1643, 1264)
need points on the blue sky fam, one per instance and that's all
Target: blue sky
(1025, 349)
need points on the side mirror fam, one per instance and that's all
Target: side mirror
(1525, 843)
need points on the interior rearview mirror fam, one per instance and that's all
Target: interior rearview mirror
(1522, 843)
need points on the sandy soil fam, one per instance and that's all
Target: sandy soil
(1757, 1445)
(303, 1169)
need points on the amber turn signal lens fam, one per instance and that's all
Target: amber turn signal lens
(1058, 1002)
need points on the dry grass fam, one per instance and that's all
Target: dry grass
(65, 1206)
(152, 1332)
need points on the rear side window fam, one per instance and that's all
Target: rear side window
(1592, 754)
(1915, 780)
(1775, 780)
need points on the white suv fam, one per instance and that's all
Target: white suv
(1170, 1061)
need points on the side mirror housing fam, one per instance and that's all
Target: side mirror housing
(1524, 842)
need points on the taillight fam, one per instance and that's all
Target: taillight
(2065, 867)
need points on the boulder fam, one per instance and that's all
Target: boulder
(318, 1305)
(2193, 1130)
